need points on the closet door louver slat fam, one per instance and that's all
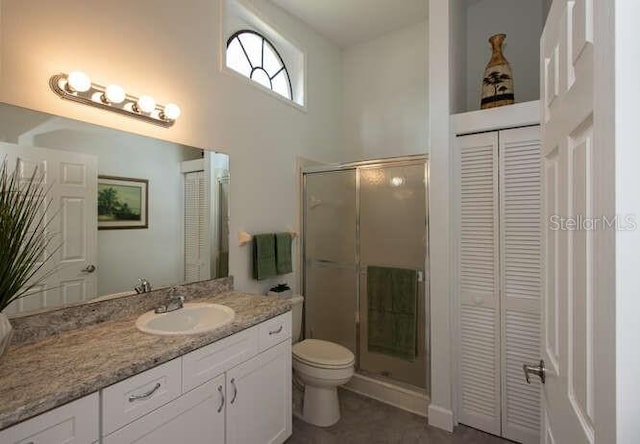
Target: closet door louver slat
(520, 249)
(477, 278)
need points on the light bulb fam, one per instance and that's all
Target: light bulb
(79, 81)
(146, 104)
(171, 111)
(114, 94)
(397, 181)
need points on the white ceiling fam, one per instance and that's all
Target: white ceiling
(348, 22)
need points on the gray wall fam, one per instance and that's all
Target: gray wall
(522, 21)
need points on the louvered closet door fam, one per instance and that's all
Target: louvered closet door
(197, 262)
(477, 279)
(520, 235)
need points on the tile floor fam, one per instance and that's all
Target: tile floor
(368, 421)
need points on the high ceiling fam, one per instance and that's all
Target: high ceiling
(348, 22)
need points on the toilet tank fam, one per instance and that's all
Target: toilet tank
(296, 317)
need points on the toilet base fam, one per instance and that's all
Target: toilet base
(320, 406)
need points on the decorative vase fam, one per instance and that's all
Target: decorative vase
(497, 84)
(6, 332)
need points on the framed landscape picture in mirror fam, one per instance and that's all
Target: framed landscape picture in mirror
(123, 203)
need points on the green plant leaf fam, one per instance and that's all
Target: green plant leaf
(26, 247)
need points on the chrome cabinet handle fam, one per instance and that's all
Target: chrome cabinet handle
(144, 395)
(235, 390)
(275, 332)
(221, 398)
(537, 370)
(89, 268)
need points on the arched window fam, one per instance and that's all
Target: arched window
(253, 56)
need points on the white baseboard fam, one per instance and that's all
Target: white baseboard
(400, 397)
(440, 417)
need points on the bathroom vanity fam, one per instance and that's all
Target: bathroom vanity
(113, 384)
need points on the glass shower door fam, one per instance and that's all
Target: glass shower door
(330, 257)
(393, 239)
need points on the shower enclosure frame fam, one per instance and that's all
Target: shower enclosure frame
(424, 279)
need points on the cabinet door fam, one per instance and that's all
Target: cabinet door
(259, 398)
(73, 423)
(197, 417)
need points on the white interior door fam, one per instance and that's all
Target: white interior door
(569, 198)
(72, 178)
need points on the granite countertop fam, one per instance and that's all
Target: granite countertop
(43, 375)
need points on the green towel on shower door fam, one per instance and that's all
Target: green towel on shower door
(264, 256)
(392, 300)
(283, 253)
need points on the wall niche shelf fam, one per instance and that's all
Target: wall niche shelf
(473, 22)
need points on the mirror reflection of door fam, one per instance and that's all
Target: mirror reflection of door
(206, 252)
(72, 182)
(120, 256)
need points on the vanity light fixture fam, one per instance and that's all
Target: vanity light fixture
(77, 87)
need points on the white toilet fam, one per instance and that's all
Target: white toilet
(321, 366)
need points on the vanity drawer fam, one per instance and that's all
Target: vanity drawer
(73, 423)
(206, 363)
(274, 331)
(127, 400)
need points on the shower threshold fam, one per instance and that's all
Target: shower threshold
(398, 394)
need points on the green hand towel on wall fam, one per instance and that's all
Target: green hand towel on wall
(283, 253)
(264, 256)
(392, 300)
(222, 269)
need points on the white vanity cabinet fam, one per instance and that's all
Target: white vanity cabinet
(236, 390)
(73, 423)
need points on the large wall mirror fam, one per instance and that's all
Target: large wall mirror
(163, 207)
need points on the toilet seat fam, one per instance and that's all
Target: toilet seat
(322, 354)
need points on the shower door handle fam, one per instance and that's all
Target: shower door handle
(420, 276)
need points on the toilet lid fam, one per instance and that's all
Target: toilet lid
(317, 352)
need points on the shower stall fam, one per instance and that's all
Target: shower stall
(365, 265)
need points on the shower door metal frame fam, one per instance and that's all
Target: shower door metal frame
(426, 280)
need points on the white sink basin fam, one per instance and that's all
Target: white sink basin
(191, 319)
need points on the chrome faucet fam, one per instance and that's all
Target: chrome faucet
(143, 287)
(175, 302)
